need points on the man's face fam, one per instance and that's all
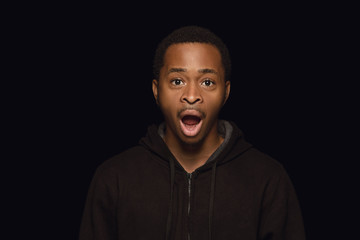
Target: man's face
(191, 91)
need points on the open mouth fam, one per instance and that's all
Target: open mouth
(190, 123)
(190, 120)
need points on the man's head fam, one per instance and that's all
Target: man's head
(190, 86)
(187, 35)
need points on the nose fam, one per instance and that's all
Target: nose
(191, 94)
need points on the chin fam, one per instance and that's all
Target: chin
(191, 141)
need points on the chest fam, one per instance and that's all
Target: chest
(143, 206)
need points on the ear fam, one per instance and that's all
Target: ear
(227, 91)
(155, 86)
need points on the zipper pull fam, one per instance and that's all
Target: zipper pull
(189, 175)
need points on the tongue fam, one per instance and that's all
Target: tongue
(190, 120)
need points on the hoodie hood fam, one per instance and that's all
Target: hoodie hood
(233, 145)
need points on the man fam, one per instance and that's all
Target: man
(194, 176)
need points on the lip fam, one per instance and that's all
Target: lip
(191, 112)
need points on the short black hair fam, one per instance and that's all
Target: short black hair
(191, 34)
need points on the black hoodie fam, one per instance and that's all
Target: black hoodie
(239, 193)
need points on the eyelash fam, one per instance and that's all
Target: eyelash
(202, 83)
(208, 80)
(177, 79)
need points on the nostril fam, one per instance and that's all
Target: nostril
(191, 100)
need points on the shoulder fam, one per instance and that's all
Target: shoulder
(125, 161)
(259, 159)
(261, 164)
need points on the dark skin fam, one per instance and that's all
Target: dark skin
(190, 92)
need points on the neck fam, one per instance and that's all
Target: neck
(193, 156)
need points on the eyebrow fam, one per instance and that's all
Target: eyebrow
(204, 70)
(207, 70)
(171, 70)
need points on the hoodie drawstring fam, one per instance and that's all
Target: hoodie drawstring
(212, 196)
(211, 199)
(172, 180)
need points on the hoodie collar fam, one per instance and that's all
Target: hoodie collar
(233, 145)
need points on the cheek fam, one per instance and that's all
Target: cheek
(167, 103)
(214, 103)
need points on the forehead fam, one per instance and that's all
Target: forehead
(197, 55)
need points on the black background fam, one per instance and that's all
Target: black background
(82, 93)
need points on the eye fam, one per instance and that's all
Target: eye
(177, 82)
(207, 83)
